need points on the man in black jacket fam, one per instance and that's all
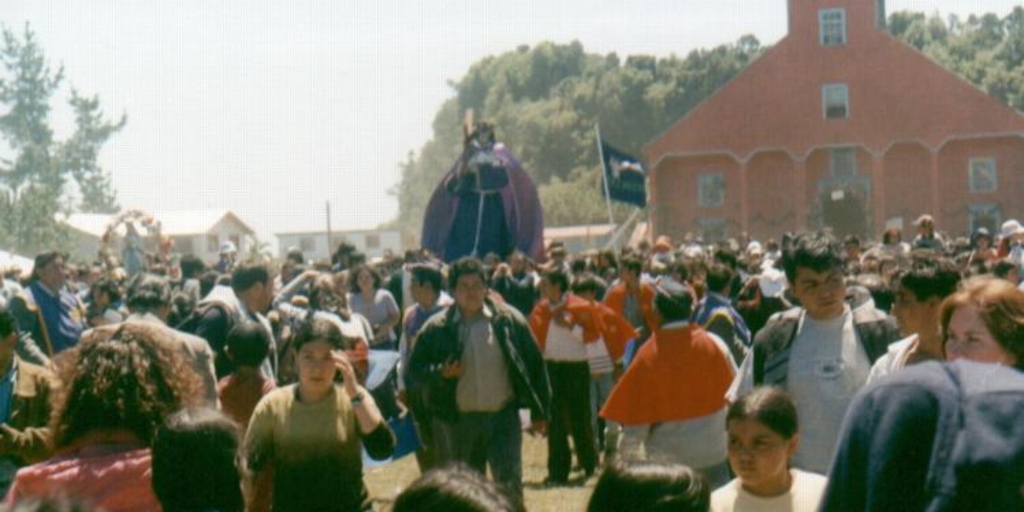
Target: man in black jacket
(478, 365)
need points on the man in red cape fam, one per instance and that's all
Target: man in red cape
(671, 400)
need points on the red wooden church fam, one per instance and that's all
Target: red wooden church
(839, 124)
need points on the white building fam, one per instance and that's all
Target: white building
(374, 243)
(580, 238)
(197, 232)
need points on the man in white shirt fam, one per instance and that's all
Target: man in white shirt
(821, 353)
(561, 323)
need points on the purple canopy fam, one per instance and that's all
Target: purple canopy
(522, 212)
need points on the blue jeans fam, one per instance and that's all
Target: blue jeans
(482, 439)
(600, 387)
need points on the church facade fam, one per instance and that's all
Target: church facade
(841, 125)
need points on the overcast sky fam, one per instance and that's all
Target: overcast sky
(272, 108)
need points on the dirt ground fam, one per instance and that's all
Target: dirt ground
(386, 482)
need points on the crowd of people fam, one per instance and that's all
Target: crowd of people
(799, 374)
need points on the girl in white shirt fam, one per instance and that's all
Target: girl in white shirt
(763, 435)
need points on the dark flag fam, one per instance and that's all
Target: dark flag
(624, 175)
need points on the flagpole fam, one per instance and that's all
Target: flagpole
(604, 175)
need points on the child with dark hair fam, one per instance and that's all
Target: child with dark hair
(305, 440)
(195, 463)
(456, 488)
(240, 391)
(649, 487)
(103, 309)
(763, 435)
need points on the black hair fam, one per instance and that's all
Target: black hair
(649, 487)
(465, 266)
(191, 266)
(109, 287)
(558, 277)
(147, 292)
(353, 278)
(578, 266)
(633, 265)
(8, 323)
(318, 328)
(455, 488)
(815, 251)
(682, 268)
(1002, 268)
(727, 256)
(248, 344)
(851, 240)
(674, 301)
(587, 284)
(325, 296)
(427, 273)
(929, 276)
(207, 281)
(196, 463)
(719, 277)
(770, 406)
(295, 256)
(881, 293)
(247, 275)
(43, 259)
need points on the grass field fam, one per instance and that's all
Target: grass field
(386, 482)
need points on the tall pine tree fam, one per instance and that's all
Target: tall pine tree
(36, 170)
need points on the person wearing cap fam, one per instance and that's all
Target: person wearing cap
(821, 353)
(228, 254)
(927, 237)
(52, 317)
(766, 298)
(671, 400)
(1011, 237)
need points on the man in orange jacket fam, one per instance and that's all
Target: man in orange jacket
(633, 299)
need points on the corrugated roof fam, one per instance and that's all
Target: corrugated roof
(174, 223)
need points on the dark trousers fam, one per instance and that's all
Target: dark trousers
(570, 415)
(485, 439)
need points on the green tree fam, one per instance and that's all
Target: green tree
(38, 173)
(546, 101)
(80, 153)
